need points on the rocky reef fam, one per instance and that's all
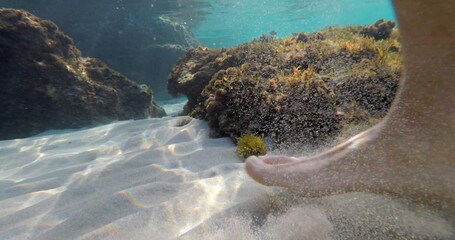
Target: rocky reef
(46, 84)
(303, 88)
(132, 37)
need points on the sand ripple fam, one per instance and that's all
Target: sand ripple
(155, 179)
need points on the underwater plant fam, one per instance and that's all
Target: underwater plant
(249, 145)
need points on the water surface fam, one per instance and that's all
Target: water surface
(228, 23)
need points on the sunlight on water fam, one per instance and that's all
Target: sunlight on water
(231, 23)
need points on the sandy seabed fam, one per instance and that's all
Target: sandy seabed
(166, 179)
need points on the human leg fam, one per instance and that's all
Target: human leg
(411, 153)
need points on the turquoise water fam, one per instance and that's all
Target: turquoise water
(230, 22)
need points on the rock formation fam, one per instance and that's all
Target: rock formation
(45, 84)
(297, 89)
(132, 37)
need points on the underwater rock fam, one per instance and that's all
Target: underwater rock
(45, 84)
(131, 37)
(304, 88)
(193, 73)
(197, 68)
(379, 30)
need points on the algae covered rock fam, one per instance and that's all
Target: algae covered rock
(304, 88)
(47, 85)
(379, 30)
(133, 37)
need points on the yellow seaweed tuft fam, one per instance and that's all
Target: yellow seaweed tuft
(351, 47)
(249, 145)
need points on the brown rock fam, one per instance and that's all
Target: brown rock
(305, 88)
(47, 85)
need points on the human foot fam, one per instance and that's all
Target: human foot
(381, 160)
(333, 171)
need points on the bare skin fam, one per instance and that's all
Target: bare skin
(411, 153)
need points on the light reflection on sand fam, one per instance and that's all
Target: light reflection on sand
(152, 179)
(141, 164)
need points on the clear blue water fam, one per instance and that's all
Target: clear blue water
(225, 23)
(232, 22)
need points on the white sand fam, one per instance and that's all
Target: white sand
(173, 107)
(152, 179)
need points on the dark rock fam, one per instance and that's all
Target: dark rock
(305, 88)
(194, 72)
(381, 29)
(283, 111)
(45, 84)
(132, 37)
(301, 37)
(196, 69)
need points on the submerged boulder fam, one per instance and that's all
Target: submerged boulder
(132, 37)
(298, 89)
(381, 29)
(45, 84)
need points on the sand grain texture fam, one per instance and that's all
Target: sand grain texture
(153, 179)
